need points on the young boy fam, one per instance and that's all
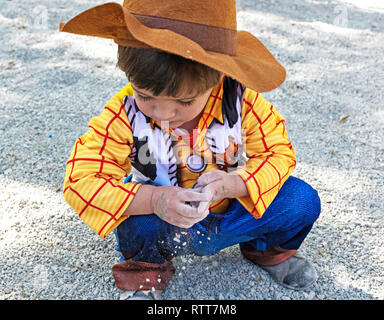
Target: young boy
(207, 160)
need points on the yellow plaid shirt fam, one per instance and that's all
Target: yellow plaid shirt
(101, 158)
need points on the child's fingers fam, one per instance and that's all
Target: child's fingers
(191, 196)
(210, 189)
(209, 177)
(203, 207)
(197, 187)
(190, 212)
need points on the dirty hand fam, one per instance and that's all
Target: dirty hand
(218, 185)
(171, 204)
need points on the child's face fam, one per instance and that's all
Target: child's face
(176, 111)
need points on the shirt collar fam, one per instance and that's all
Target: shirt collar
(214, 103)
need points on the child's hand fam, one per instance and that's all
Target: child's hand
(171, 205)
(218, 184)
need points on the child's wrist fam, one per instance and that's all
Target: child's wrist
(153, 198)
(237, 186)
(140, 204)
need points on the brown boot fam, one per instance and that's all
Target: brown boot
(286, 267)
(295, 273)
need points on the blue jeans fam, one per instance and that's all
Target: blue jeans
(285, 224)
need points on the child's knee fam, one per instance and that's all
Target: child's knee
(316, 203)
(138, 229)
(310, 201)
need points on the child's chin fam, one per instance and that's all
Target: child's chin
(174, 125)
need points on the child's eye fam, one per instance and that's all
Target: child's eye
(144, 98)
(186, 103)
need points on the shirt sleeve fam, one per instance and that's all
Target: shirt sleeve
(99, 160)
(271, 157)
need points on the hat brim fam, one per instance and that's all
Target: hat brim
(253, 65)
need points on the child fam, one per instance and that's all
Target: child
(207, 160)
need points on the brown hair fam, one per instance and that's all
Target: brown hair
(165, 73)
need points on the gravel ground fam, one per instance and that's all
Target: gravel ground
(52, 83)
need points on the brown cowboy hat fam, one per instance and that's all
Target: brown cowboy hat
(200, 30)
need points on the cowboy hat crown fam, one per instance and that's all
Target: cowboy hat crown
(200, 30)
(212, 26)
(219, 13)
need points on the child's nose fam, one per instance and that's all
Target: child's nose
(164, 115)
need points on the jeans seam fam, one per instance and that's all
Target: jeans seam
(218, 230)
(210, 225)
